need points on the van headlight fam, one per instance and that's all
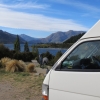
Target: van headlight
(45, 91)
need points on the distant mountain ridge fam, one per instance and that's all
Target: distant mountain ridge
(27, 38)
(73, 39)
(57, 37)
(6, 37)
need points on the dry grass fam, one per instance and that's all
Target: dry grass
(30, 67)
(22, 63)
(4, 61)
(14, 66)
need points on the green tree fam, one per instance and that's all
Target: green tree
(4, 51)
(35, 52)
(26, 48)
(58, 55)
(17, 44)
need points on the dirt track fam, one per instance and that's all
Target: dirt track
(20, 87)
(14, 87)
(10, 92)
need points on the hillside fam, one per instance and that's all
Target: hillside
(73, 39)
(57, 37)
(6, 37)
(66, 44)
(61, 36)
(27, 38)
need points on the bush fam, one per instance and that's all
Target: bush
(58, 55)
(14, 66)
(4, 52)
(0, 64)
(30, 67)
(25, 56)
(48, 55)
(22, 63)
(51, 62)
(4, 61)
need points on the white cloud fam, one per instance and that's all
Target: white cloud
(25, 6)
(21, 20)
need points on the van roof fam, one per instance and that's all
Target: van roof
(93, 32)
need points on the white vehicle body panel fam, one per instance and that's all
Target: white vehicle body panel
(74, 85)
(64, 85)
(61, 95)
(93, 32)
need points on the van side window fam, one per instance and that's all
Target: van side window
(84, 56)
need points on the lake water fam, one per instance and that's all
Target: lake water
(53, 51)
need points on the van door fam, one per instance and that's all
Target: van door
(77, 77)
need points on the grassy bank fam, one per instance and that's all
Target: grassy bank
(53, 45)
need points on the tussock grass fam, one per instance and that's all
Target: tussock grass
(30, 67)
(14, 66)
(22, 63)
(4, 61)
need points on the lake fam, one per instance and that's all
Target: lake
(53, 51)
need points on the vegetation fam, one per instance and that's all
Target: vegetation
(12, 65)
(35, 52)
(73, 39)
(17, 44)
(25, 56)
(58, 55)
(13, 60)
(28, 85)
(52, 58)
(48, 55)
(4, 52)
(30, 67)
(26, 48)
(65, 44)
(28, 56)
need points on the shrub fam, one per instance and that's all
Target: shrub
(30, 67)
(4, 61)
(25, 56)
(11, 66)
(51, 62)
(48, 55)
(0, 64)
(58, 55)
(14, 66)
(4, 52)
(23, 64)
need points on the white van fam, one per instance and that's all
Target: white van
(76, 75)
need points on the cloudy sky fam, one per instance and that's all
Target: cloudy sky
(40, 18)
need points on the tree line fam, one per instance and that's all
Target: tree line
(26, 55)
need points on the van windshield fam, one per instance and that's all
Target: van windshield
(86, 55)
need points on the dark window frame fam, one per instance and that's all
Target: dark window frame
(58, 68)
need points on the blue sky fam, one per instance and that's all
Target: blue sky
(40, 18)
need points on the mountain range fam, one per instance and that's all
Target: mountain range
(57, 37)
(6, 37)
